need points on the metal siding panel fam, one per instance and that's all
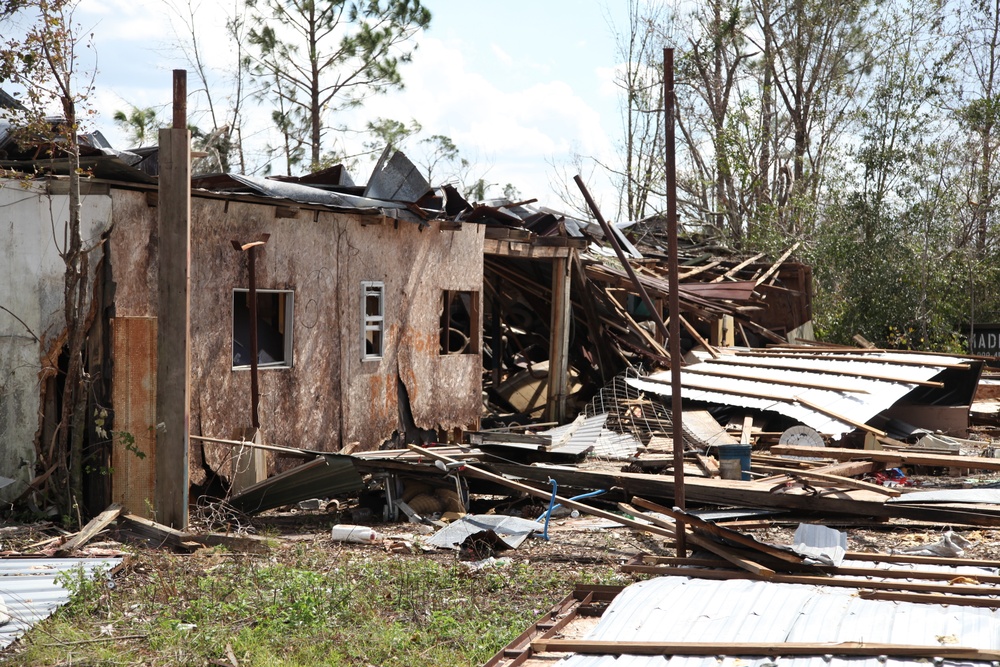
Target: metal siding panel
(31, 590)
(700, 610)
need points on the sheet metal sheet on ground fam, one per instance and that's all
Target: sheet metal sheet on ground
(681, 609)
(868, 398)
(979, 496)
(511, 530)
(32, 588)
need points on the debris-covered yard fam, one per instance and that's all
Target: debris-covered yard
(275, 588)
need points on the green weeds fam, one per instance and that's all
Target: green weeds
(307, 607)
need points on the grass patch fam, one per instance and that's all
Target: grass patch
(307, 606)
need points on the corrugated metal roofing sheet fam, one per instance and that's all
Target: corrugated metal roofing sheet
(852, 392)
(586, 432)
(322, 477)
(31, 589)
(684, 609)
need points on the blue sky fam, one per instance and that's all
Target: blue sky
(519, 86)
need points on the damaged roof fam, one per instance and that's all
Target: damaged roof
(833, 393)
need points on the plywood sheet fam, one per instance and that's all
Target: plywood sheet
(133, 452)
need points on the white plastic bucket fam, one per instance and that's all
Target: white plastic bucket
(348, 533)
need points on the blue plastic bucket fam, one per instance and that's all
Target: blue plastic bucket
(734, 462)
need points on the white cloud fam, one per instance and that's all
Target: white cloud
(502, 55)
(512, 115)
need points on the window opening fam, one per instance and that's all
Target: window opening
(372, 320)
(460, 322)
(274, 328)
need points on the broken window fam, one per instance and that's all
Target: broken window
(372, 320)
(460, 322)
(274, 328)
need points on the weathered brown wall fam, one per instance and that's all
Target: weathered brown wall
(415, 265)
(330, 397)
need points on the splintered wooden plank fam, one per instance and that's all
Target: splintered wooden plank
(95, 526)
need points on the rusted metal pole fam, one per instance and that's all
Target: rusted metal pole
(674, 305)
(613, 240)
(251, 250)
(180, 99)
(254, 387)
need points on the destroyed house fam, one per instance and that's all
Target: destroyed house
(368, 321)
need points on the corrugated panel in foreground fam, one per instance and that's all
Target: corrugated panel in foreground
(836, 386)
(31, 589)
(679, 609)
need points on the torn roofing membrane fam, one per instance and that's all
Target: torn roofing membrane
(855, 389)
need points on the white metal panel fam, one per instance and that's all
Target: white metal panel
(676, 609)
(845, 394)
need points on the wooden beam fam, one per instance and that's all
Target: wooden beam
(816, 580)
(156, 534)
(736, 269)
(173, 350)
(862, 648)
(560, 319)
(718, 531)
(747, 430)
(928, 598)
(528, 250)
(709, 545)
(698, 338)
(893, 458)
(634, 326)
(777, 265)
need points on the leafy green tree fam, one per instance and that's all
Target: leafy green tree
(819, 54)
(316, 57)
(142, 125)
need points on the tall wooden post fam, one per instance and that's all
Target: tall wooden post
(173, 349)
(558, 384)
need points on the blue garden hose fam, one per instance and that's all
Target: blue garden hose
(553, 505)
